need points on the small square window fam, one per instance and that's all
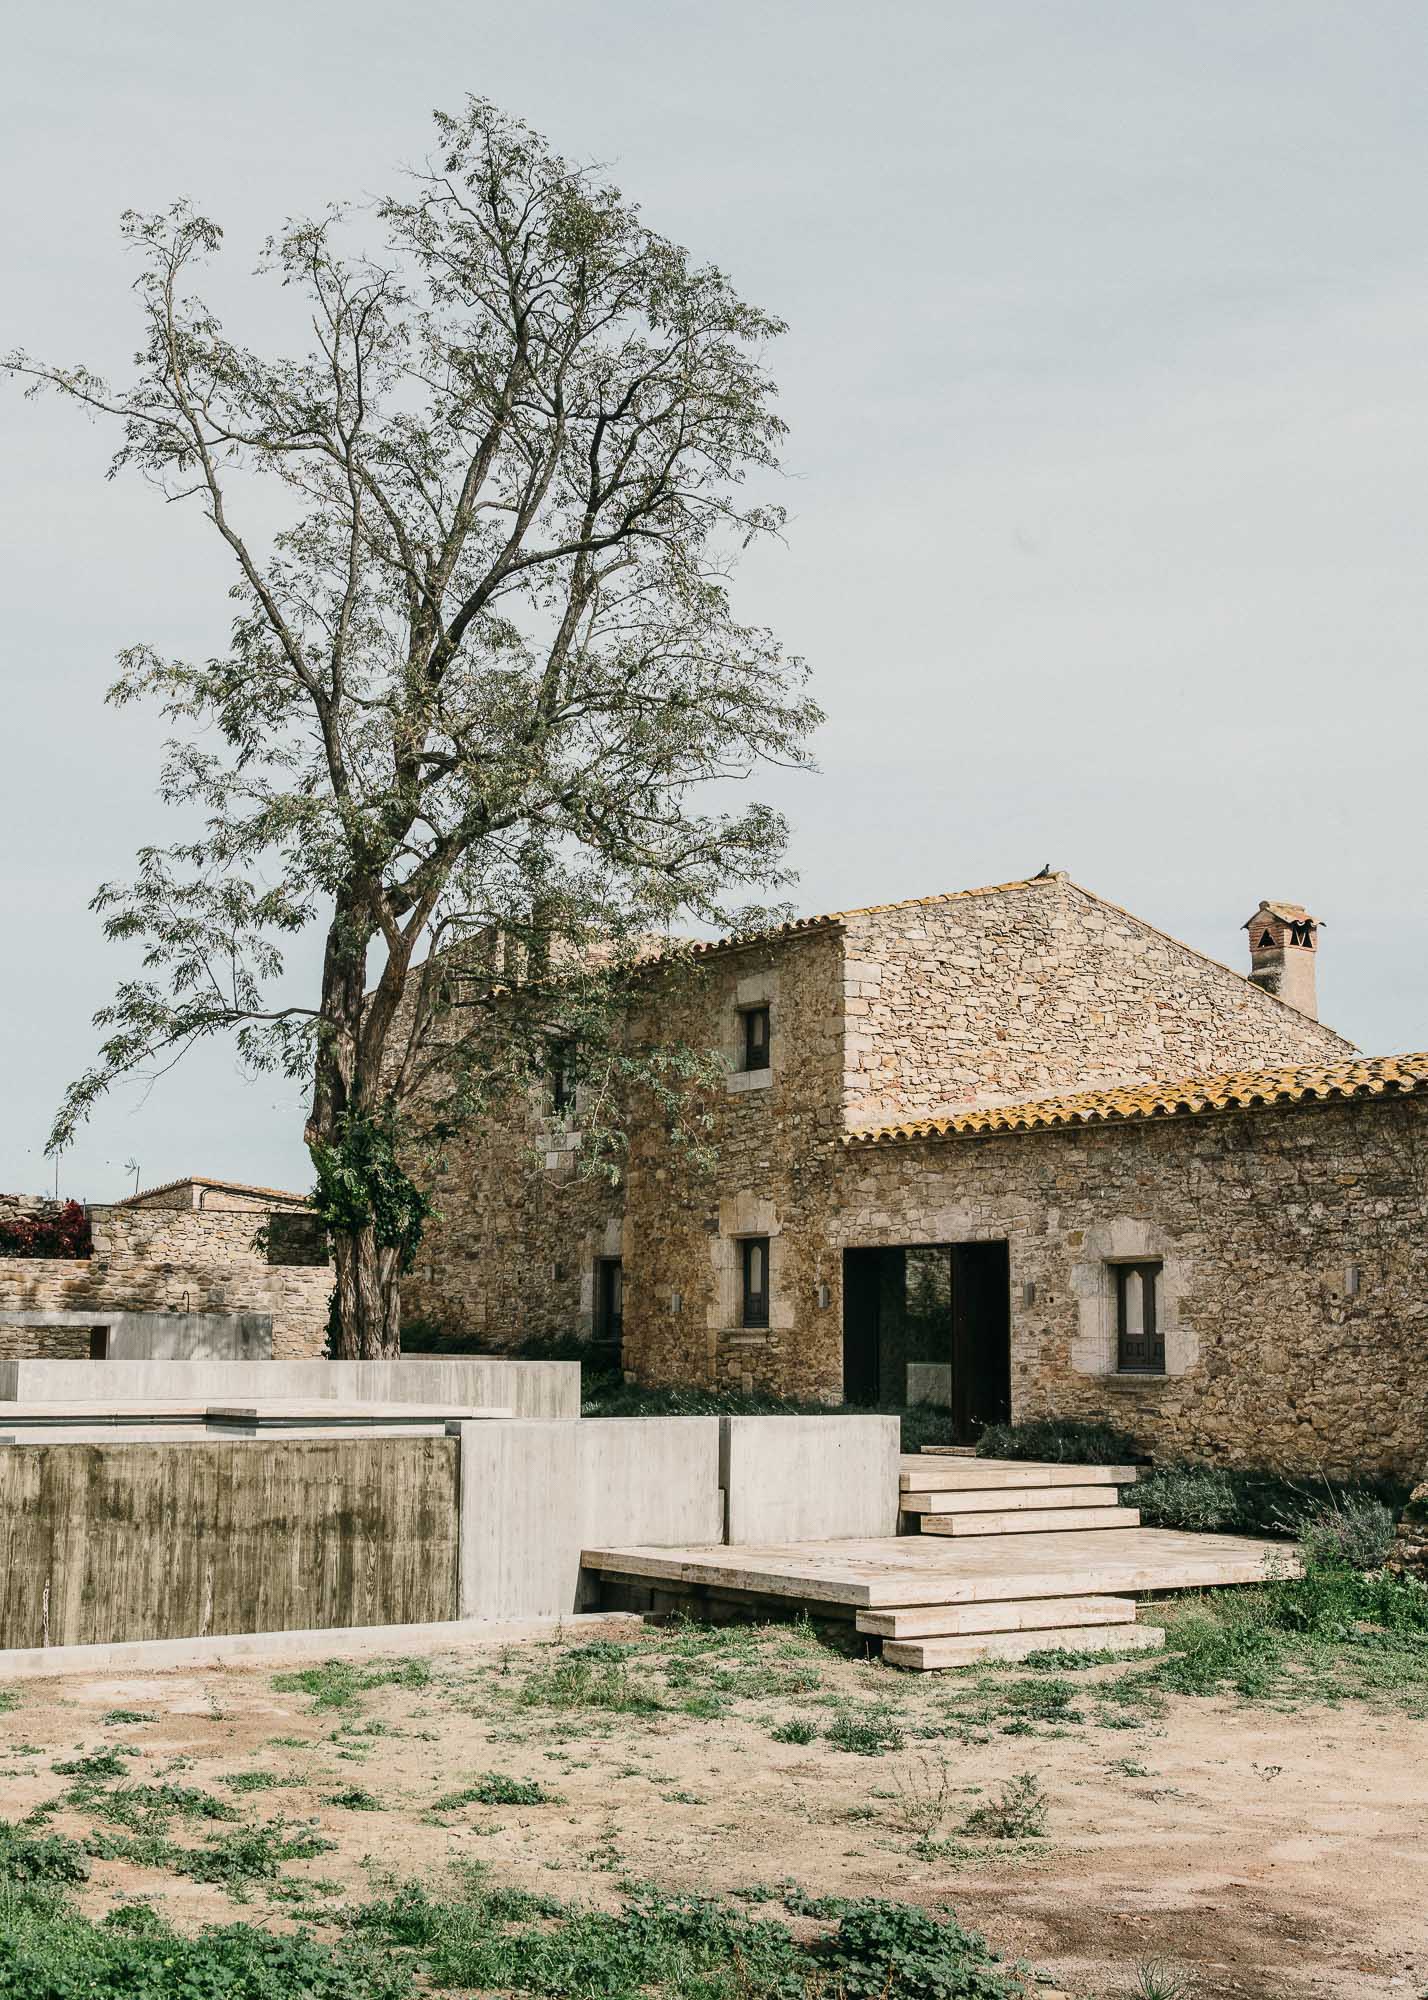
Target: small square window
(560, 1078)
(1140, 1335)
(756, 1038)
(754, 1253)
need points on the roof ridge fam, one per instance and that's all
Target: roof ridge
(208, 1181)
(1221, 1090)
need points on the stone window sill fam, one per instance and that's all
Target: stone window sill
(749, 1079)
(1136, 1378)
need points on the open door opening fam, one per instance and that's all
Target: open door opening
(930, 1323)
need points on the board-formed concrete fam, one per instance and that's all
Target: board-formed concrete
(925, 1655)
(530, 1388)
(534, 1493)
(791, 1479)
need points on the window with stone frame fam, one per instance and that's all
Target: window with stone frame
(754, 1023)
(754, 1281)
(1140, 1319)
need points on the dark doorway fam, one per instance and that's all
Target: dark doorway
(610, 1302)
(930, 1321)
(99, 1343)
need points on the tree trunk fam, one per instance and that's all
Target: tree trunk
(368, 1276)
(368, 1298)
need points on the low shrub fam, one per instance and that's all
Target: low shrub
(1353, 1520)
(895, 1951)
(1060, 1441)
(1017, 1813)
(1356, 1530)
(61, 1232)
(51, 1953)
(49, 1857)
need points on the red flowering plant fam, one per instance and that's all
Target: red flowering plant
(64, 1232)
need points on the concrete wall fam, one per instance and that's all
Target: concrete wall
(793, 1479)
(529, 1388)
(100, 1543)
(141, 1336)
(533, 1495)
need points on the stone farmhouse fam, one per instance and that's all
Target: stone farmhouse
(1011, 1150)
(197, 1268)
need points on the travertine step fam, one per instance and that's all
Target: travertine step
(924, 1655)
(1031, 1521)
(922, 1472)
(988, 1499)
(1017, 1614)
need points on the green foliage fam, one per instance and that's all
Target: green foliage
(795, 1730)
(1356, 1531)
(1222, 1499)
(50, 1857)
(149, 1808)
(252, 1854)
(354, 1798)
(1058, 1440)
(340, 1683)
(494, 1788)
(581, 1682)
(605, 1393)
(116, 1716)
(895, 1951)
(106, 1762)
(360, 1182)
(870, 1734)
(48, 1952)
(1017, 1813)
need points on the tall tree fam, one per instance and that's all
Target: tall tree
(475, 679)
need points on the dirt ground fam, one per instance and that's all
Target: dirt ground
(1275, 1853)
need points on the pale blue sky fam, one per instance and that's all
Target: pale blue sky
(1109, 438)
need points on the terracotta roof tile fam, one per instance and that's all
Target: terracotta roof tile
(1233, 1090)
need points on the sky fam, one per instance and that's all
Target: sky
(1106, 470)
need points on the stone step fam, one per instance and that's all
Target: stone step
(1016, 1614)
(1032, 1521)
(922, 1472)
(926, 1655)
(988, 1499)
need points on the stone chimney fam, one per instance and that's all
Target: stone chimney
(1284, 940)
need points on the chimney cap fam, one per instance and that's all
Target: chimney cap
(1287, 913)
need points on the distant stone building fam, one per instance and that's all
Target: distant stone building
(1012, 1150)
(197, 1268)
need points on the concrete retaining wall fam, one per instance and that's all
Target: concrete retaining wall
(105, 1543)
(529, 1388)
(533, 1495)
(163, 1336)
(796, 1479)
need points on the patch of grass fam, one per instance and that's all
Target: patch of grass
(50, 1857)
(106, 1762)
(149, 1808)
(353, 1798)
(1017, 1813)
(1049, 1700)
(117, 1716)
(795, 1730)
(578, 1682)
(341, 1683)
(49, 1952)
(867, 1735)
(257, 1781)
(490, 1940)
(494, 1788)
(253, 1854)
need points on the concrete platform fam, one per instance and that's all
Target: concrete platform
(926, 1655)
(1031, 1521)
(931, 1570)
(1016, 1614)
(931, 1472)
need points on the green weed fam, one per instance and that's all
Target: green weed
(579, 1682)
(866, 1735)
(117, 1716)
(340, 1683)
(494, 1788)
(50, 1857)
(353, 1798)
(795, 1730)
(1017, 1813)
(107, 1762)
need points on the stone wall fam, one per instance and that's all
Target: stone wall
(1295, 1251)
(1039, 988)
(776, 1134)
(168, 1260)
